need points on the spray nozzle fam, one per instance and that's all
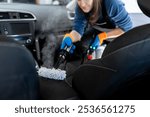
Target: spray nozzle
(63, 56)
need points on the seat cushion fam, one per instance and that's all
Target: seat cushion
(55, 90)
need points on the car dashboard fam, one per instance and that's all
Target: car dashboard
(17, 25)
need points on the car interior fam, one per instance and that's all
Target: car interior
(121, 73)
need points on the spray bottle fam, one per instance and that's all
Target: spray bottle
(90, 52)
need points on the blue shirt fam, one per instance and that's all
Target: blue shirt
(116, 12)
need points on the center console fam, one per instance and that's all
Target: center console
(19, 26)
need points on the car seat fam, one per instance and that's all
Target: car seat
(123, 71)
(18, 75)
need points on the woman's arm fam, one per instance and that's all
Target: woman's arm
(76, 36)
(118, 14)
(104, 36)
(115, 33)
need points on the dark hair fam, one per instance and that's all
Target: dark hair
(95, 11)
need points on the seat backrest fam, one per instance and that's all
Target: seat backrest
(18, 76)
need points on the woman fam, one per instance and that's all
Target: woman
(98, 12)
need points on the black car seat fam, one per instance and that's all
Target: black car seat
(18, 75)
(123, 71)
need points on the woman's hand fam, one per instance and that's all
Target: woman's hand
(98, 40)
(67, 42)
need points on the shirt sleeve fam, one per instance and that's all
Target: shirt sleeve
(118, 14)
(80, 21)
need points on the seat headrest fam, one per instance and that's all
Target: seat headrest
(144, 6)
